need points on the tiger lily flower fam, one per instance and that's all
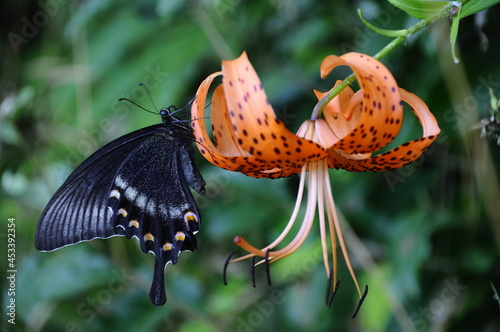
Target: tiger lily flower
(247, 137)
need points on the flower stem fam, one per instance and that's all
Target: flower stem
(442, 13)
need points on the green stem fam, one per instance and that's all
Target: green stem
(445, 12)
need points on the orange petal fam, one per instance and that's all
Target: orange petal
(325, 137)
(203, 140)
(226, 144)
(220, 156)
(344, 124)
(401, 155)
(382, 112)
(422, 112)
(255, 126)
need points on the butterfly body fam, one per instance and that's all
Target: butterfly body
(135, 186)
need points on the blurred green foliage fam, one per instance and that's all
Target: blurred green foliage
(426, 238)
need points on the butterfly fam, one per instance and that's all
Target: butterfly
(135, 186)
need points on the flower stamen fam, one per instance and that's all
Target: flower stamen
(335, 227)
(303, 231)
(242, 243)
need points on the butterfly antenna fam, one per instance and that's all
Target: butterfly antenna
(133, 102)
(149, 95)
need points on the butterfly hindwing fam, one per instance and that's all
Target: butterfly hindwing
(162, 213)
(136, 186)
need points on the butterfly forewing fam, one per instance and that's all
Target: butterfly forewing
(78, 210)
(137, 186)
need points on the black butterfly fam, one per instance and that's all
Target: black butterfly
(135, 186)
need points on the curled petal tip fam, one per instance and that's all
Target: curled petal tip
(327, 65)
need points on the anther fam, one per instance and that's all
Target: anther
(252, 272)
(330, 295)
(266, 262)
(360, 302)
(226, 263)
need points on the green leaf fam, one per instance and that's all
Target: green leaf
(421, 9)
(475, 6)
(383, 32)
(454, 32)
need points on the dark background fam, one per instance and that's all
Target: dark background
(426, 237)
